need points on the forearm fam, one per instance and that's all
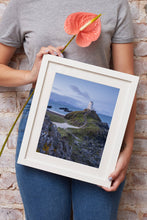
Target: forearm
(123, 62)
(10, 77)
(129, 134)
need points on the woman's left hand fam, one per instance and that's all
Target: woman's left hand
(119, 173)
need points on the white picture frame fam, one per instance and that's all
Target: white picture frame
(126, 84)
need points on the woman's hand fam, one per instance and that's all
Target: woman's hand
(119, 173)
(33, 75)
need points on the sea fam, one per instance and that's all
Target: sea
(55, 107)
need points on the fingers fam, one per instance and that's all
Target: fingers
(42, 52)
(46, 50)
(121, 167)
(115, 183)
(50, 50)
(55, 51)
(61, 48)
(118, 175)
(115, 174)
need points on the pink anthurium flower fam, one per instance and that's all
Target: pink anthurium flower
(86, 26)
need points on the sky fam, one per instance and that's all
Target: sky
(104, 97)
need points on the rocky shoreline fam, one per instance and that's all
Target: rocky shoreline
(83, 144)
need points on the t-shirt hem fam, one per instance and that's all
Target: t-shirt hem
(7, 43)
(119, 41)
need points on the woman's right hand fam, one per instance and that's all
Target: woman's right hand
(56, 51)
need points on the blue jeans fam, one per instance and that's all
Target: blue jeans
(47, 196)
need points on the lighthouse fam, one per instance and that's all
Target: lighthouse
(90, 106)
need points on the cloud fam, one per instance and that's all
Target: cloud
(55, 89)
(77, 91)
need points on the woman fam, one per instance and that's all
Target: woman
(37, 25)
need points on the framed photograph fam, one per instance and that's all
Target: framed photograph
(77, 119)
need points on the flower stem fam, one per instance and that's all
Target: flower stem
(15, 123)
(68, 43)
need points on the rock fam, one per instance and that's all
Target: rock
(65, 109)
(83, 144)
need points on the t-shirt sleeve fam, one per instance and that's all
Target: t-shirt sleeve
(124, 27)
(9, 26)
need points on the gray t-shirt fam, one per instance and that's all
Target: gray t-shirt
(38, 23)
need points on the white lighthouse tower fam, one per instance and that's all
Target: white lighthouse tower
(90, 106)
